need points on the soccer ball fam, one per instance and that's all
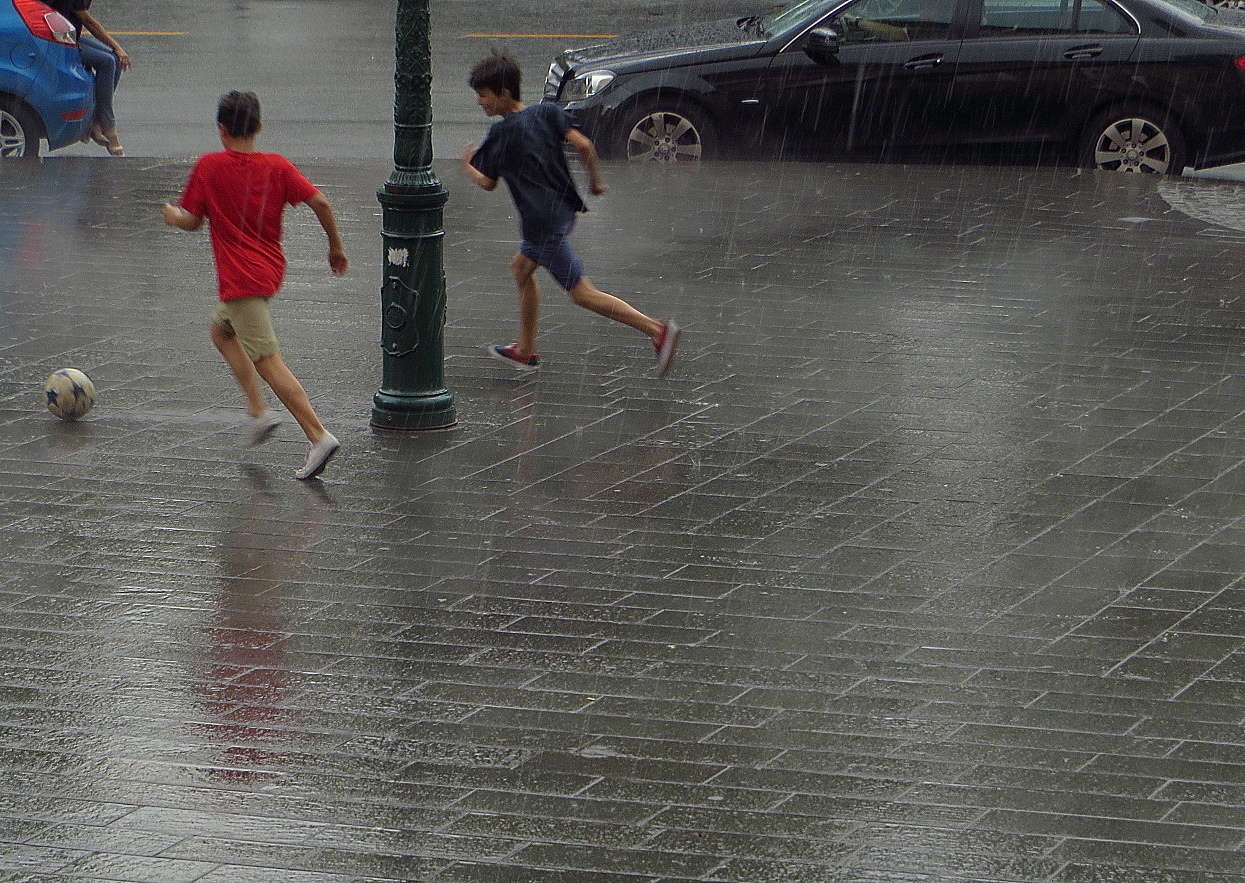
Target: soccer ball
(70, 393)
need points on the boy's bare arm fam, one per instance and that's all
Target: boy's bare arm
(588, 156)
(324, 213)
(176, 216)
(482, 180)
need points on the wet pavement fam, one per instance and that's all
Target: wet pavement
(924, 565)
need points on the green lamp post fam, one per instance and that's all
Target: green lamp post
(413, 394)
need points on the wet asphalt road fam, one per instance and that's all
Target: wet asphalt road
(324, 68)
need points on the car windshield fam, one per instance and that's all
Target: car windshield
(1196, 8)
(793, 14)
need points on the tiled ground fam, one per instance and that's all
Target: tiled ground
(925, 565)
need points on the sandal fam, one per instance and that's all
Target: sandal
(102, 140)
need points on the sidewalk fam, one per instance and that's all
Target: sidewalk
(924, 564)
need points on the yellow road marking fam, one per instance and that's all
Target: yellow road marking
(494, 36)
(572, 36)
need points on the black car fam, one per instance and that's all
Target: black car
(1130, 85)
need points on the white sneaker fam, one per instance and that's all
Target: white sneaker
(258, 429)
(318, 457)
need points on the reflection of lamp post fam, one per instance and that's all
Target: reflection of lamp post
(413, 394)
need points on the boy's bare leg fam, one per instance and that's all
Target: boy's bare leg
(243, 369)
(524, 269)
(592, 298)
(291, 393)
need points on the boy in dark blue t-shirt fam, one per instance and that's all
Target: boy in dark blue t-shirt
(525, 149)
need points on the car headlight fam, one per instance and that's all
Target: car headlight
(587, 85)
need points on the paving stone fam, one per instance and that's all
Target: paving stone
(922, 566)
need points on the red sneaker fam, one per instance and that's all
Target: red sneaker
(508, 354)
(666, 346)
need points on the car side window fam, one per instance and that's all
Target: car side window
(893, 21)
(1097, 17)
(1051, 18)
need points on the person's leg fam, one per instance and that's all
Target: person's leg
(100, 60)
(246, 327)
(291, 393)
(588, 296)
(242, 367)
(557, 256)
(524, 270)
(560, 260)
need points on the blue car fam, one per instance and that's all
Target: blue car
(45, 92)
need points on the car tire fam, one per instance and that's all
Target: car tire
(19, 130)
(665, 131)
(1133, 139)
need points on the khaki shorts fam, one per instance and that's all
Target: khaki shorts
(248, 319)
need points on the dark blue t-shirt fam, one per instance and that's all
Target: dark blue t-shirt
(525, 150)
(70, 9)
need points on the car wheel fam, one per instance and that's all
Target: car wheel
(663, 132)
(1134, 140)
(19, 131)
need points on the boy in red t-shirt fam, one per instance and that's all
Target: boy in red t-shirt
(243, 193)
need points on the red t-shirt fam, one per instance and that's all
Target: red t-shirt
(243, 196)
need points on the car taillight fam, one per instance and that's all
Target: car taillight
(1240, 62)
(45, 23)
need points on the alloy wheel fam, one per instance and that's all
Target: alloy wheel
(1133, 145)
(12, 135)
(664, 136)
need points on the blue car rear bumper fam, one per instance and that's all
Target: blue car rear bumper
(67, 99)
(51, 79)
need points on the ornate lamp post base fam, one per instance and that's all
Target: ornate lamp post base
(400, 411)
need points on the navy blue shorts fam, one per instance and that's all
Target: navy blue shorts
(555, 254)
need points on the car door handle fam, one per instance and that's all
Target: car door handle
(924, 62)
(1080, 53)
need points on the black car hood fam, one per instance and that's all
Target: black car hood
(657, 44)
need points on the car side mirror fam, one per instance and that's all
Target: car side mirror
(822, 45)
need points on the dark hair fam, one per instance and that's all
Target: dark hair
(238, 112)
(497, 72)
